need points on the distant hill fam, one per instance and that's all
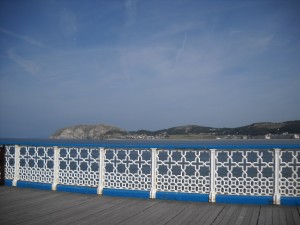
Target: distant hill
(252, 130)
(291, 127)
(109, 132)
(89, 132)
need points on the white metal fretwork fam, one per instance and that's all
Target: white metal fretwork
(244, 172)
(10, 162)
(183, 171)
(36, 164)
(79, 166)
(252, 172)
(289, 175)
(128, 169)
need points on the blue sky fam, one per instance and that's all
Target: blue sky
(141, 64)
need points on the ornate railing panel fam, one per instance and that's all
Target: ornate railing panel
(183, 171)
(79, 166)
(36, 164)
(210, 172)
(10, 162)
(289, 172)
(244, 172)
(128, 169)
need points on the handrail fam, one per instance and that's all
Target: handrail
(164, 143)
(268, 175)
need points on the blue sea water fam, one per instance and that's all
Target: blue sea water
(164, 143)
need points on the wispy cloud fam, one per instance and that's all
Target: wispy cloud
(25, 38)
(181, 50)
(28, 65)
(68, 22)
(175, 61)
(131, 8)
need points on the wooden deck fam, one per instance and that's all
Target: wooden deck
(31, 206)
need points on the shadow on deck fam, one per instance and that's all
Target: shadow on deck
(31, 206)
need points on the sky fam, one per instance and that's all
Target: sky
(140, 64)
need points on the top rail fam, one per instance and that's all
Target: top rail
(175, 144)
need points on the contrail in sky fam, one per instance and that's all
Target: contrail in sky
(181, 50)
(24, 38)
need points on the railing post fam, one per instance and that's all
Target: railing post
(55, 168)
(212, 194)
(101, 171)
(17, 165)
(276, 196)
(153, 173)
(2, 165)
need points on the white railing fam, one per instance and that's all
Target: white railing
(211, 172)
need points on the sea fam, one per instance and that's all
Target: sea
(162, 143)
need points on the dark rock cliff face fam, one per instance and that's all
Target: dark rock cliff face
(88, 132)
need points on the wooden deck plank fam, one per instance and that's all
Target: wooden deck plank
(210, 216)
(18, 195)
(269, 217)
(101, 209)
(233, 218)
(282, 216)
(265, 215)
(289, 216)
(255, 216)
(31, 206)
(170, 214)
(108, 215)
(187, 215)
(64, 215)
(241, 217)
(225, 215)
(144, 216)
(296, 216)
(199, 214)
(122, 214)
(48, 209)
(56, 215)
(83, 211)
(32, 202)
(133, 212)
(275, 216)
(248, 215)
(13, 209)
(165, 213)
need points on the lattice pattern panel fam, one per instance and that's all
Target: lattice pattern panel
(10, 162)
(79, 166)
(244, 172)
(289, 173)
(36, 164)
(183, 171)
(128, 169)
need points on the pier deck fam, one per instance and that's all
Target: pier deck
(31, 206)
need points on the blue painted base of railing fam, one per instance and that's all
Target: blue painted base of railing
(239, 199)
(27, 184)
(178, 196)
(8, 182)
(182, 196)
(292, 201)
(126, 193)
(77, 189)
